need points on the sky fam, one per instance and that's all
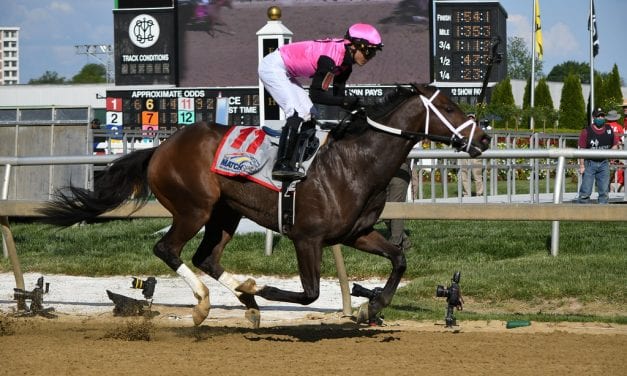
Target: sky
(49, 30)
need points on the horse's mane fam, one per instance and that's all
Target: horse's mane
(357, 122)
(390, 101)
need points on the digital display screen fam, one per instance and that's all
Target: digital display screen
(464, 34)
(218, 42)
(154, 109)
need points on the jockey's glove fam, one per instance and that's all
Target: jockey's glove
(351, 103)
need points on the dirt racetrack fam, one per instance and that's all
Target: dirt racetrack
(323, 344)
(86, 339)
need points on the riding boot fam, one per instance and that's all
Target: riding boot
(284, 169)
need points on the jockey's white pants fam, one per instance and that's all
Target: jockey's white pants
(286, 90)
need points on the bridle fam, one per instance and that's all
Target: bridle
(456, 140)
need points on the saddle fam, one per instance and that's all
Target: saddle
(250, 153)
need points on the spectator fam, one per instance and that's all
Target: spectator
(98, 138)
(616, 167)
(618, 180)
(397, 192)
(471, 166)
(612, 120)
(597, 136)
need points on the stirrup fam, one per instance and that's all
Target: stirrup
(283, 171)
(284, 175)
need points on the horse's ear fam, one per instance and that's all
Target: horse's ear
(418, 88)
(410, 89)
(426, 89)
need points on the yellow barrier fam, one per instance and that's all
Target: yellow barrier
(400, 210)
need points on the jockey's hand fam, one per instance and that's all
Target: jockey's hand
(351, 103)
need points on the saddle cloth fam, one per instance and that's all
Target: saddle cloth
(249, 152)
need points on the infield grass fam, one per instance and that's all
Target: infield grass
(506, 269)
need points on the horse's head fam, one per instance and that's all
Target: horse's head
(444, 121)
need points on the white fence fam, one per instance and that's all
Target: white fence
(507, 161)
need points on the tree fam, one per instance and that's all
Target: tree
(560, 71)
(607, 92)
(600, 95)
(572, 112)
(91, 73)
(543, 112)
(611, 89)
(526, 119)
(542, 94)
(502, 104)
(605, 95)
(519, 60)
(49, 77)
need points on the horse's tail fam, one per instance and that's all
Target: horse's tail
(125, 179)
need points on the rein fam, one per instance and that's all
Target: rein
(456, 139)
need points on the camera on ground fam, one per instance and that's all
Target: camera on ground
(147, 286)
(453, 295)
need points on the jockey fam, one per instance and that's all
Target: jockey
(328, 62)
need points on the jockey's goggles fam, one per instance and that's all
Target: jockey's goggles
(368, 50)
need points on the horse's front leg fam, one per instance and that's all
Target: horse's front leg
(309, 257)
(373, 242)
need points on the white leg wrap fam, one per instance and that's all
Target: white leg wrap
(192, 280)
(227, 280)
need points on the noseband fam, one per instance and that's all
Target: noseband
(458, 141)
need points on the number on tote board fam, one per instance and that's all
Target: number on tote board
(186, 117)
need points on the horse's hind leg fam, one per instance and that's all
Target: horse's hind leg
(218, 232)
(169, 250)
(309, 257)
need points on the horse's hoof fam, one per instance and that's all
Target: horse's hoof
(201, 310)
(249, 286)
(254, 316)
(362, 316)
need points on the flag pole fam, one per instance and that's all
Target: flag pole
(592, 26)
(533, 64)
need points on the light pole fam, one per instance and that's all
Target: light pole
(96, 51)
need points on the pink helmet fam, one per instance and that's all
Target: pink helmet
(365, 35)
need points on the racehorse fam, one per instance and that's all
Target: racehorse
(205, 15)
(339, 201)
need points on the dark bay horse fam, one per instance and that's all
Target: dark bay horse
(339, 201)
